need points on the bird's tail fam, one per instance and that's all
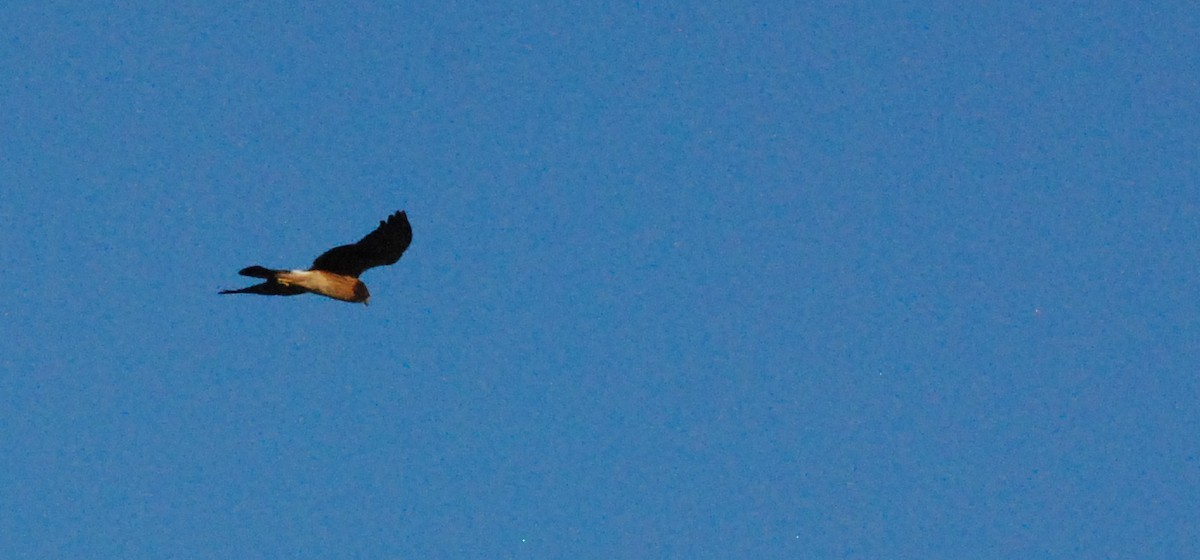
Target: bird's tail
(272, 286)
(258, 272)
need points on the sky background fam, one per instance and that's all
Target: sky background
(688, 280)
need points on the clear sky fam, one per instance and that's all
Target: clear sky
(688, 280)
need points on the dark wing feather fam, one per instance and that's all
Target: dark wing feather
(380, 247)
(270, 288)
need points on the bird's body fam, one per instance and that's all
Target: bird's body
(336, 286)
(335, 273)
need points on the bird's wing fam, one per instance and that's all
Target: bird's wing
(380, 247)
(271, 288)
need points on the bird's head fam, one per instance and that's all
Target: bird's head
(361, 293)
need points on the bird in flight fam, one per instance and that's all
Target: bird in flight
(335, 273)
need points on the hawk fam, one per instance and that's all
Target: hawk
(335, 273)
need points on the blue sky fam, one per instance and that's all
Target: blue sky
(690, 280)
